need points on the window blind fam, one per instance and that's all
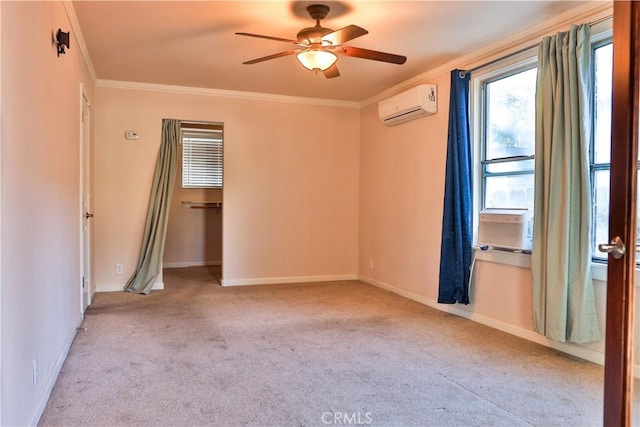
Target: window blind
(201, 158)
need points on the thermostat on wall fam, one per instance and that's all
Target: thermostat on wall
(130, 134)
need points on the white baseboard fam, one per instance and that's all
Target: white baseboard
(184, 264)
(119, 287)
(574, 350)
(43, 399)
(290, 279)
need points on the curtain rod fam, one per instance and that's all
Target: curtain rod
(193, 122)
(191, 125)
(519, 51)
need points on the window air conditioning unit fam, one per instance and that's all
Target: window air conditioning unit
(417, 102)
(506, 228)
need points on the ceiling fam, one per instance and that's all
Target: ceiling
(192, 43)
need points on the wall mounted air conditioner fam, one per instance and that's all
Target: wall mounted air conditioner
(416, 102)
(506, 229)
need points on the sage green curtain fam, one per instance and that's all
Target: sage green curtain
(155, 230)
(564, 306)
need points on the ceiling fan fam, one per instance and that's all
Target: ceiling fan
(317, 46)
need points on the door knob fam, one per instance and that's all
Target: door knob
(615, 248)
(88, 215)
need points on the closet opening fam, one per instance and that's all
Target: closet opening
(194, 230)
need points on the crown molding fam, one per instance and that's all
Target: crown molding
(588, 12)
(75, 26)
(593, 11)
(254, 96)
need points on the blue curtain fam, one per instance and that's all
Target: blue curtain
(456, 247)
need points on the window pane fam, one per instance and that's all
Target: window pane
(506, 167)
(603, 81)
(510, 115)
(202, 159)
(600, 211)
(509, 191)
(601, 214)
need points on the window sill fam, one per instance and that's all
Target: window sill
(523, 260)
(599, 271)
(517, 259)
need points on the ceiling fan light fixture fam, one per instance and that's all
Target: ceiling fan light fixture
(313, 59)
(317, 46)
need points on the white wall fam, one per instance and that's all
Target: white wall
(290, 207)
(401, 196)
(40, 277)
(402, 172)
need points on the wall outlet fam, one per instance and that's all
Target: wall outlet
(36, 374)
(370, 264)
(119, 269)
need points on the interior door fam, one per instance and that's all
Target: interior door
(86, 206)
(618, 381)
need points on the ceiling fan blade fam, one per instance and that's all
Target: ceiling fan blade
(372, 54)
(331, 72)
(345, 34)
(274, 56)
(278, 39)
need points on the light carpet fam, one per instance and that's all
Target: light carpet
(197, 354)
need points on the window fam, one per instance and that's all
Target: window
(601, 148)
(202, 156)
(504, 126)
(601, 145)
(508, 139)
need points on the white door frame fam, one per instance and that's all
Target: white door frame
(86, 284)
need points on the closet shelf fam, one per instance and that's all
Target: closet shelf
(202, 205)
